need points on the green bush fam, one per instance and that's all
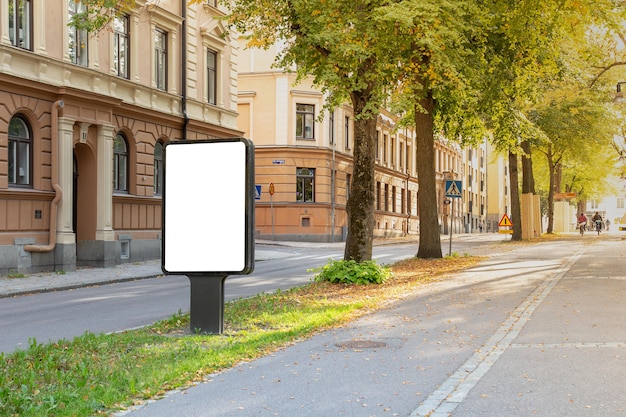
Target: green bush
(352, 272)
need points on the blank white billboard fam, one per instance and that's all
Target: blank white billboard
(208, 207)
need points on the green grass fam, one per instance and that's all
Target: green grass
(100, 374)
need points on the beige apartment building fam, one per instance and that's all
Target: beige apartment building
(83, 121)
(304, 160)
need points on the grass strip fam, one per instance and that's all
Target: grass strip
(99, 374)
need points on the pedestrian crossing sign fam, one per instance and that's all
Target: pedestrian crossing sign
(453, 188)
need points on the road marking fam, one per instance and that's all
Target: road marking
(453, 391)
(580, 345)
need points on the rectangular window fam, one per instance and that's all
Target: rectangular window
(78, 38)
(211, 68)
(347, 132)
(620, 203)
(402, 200)
(19, 162)
(348, 185)
(408, 202)
(386, 197)
(20, 23)
(393, 199)
(385, 138)
(121, 46)
(160, 59)
(305, 185)
(305, 121)
(378, 195)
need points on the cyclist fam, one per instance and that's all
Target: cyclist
(582, 223)
(597, 219)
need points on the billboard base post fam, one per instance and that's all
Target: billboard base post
(207, 304)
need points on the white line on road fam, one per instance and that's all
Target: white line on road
(453, 391)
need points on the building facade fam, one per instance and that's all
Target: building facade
(83, 121)
(304, 159)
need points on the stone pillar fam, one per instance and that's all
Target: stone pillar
(104, 219)
(65, 232)
(65, 250)
(105, 251)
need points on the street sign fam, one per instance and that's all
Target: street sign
(257, 192)
(454, 188)
(505, 221)
(564, 195)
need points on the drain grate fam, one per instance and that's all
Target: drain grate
(361, 344)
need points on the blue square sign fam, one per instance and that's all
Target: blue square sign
(454, 188)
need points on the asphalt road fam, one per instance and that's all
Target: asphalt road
(59, 315)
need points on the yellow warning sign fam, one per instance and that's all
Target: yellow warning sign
(505, 221)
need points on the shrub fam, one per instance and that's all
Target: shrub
(352, 272)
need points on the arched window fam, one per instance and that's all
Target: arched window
(158, 168)
(120, 164)
(20, 152)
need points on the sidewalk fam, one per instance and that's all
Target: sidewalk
(52, 281)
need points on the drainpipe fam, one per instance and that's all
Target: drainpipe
(54, 138)
(183, 68)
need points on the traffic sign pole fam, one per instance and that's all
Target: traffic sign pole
(453, 190)
(451, 220)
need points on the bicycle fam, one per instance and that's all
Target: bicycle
(598, 226)
(582, 227)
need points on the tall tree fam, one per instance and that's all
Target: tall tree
(438, 49)
(340, 45)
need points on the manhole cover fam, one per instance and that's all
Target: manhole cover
(361, 344)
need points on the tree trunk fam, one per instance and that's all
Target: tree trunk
(360, 206)
(516, 212)
(551, 174)
(528, 179)
(430, 238)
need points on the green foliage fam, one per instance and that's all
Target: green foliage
(95, 15)
(352, 272)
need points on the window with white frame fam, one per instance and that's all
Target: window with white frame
(21, 23)
(20, 152)
(120, 163)
(160, 59)
(121, 46)
(211, 68)
(78, 38)
(305, 185)
(620, 203)
(305, 121)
